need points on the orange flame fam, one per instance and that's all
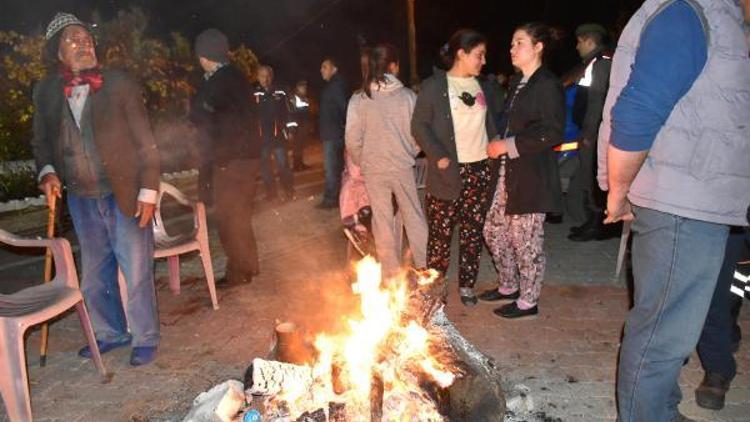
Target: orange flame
(376, 343)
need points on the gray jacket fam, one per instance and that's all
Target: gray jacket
(432, 126)
(378, 136)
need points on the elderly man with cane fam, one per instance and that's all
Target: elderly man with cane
(92, 135)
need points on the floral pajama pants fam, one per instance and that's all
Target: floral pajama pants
(468, 212)
(516, 242)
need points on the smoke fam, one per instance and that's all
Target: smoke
(177, 141)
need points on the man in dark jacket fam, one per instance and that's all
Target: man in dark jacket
(92, 135)
(584, 198)
(333, 102)
(272, 105)
(222, 111)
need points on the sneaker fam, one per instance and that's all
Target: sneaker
(710, 393)
(468, 297)
(142, 355)
(104, 347)
(512, 311)
(493, 295)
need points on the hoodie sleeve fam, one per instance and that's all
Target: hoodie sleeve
(411, 99)
(355, 129)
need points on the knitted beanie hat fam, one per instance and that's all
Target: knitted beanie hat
(59, 22)
(213, 45)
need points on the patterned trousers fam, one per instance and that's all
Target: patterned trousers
(468, 212)
(516, 242)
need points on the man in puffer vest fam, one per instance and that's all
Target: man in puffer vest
(676, 133)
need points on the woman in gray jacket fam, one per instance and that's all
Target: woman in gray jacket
(379, 140)
(453, 122)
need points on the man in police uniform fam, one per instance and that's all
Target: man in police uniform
(273, 111)
(584, 198)
(298, 126)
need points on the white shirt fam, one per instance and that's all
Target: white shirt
(468, 121)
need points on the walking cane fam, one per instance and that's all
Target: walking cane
(48, 272)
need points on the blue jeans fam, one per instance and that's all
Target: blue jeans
(676, 262)
(109, 239)
(282, 168)
(333, 162)
(715, 344)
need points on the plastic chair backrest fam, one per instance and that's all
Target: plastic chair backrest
(65, 270)
(160, 230)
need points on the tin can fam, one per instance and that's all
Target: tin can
(251, 415)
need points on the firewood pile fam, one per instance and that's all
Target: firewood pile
(420, 369)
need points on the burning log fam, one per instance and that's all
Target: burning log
(270, 377)
(377, 390)
(477, 394)
(337, 379)
(316, 416)
(428, 294)
(401, 359)
(336, 412)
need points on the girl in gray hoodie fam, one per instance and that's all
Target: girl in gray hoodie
(379, 140)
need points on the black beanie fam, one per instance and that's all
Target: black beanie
(213, 45)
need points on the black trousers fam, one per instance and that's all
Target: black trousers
(584, 199)
(234, 193)
(721, 329)
(298, 145)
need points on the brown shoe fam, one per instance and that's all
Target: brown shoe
(710, 394)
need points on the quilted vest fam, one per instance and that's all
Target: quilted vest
(699, 164)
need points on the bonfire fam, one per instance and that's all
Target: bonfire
(397, 360)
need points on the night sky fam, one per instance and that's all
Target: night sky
(293, 35)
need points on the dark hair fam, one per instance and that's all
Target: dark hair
(364, 61)
(463, 39)
(592, 31)
(378, 61)
(598, 38)
(330, 59)
(542, 33)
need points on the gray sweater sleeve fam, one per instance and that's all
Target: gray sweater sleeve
(355, 129)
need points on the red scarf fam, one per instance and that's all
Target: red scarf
(91, 77)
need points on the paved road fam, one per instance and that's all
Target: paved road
(566, 357)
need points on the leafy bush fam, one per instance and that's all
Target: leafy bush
(167, 69)
(18, 184)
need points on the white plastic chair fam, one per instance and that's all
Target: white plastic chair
(31, 306)
(172, 246)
